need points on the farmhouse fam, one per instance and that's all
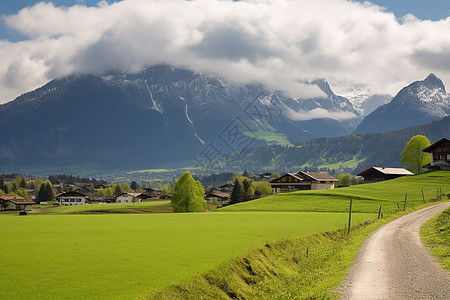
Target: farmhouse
(72, 198)
(302, 181)
(14, 203)
(222, 198)
(375, 174)
(126, 197)
(440, 155)
(227, 187)
(152, 193)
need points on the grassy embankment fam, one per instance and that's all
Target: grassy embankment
(134, 256)
(435, 234)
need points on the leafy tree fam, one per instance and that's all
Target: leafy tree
(166, 189)
(46, 193)
(237, 195)
(134, 185)
(23, 194)
(274, 175)
(262, 187)
(188, 194)
(246, 173)
(413, 158)
(3, 185)
(344, 180)
(118, 190)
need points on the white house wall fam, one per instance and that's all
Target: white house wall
(69, 201)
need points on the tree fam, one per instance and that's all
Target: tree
(188, 194)
(46, 193)
(262, 187)
(246, 185)
(134, 185)
(237, 195)
(413, 158)
(274, 175)
(3, 185)
(246, 173)
(344, 180)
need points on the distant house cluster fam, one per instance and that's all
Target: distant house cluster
(79, 197)
(15, 203)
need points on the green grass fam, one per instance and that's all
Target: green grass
(435, 233)
(130, 255)
(366, 197)
(138, 207)
(352, 163)
(270, 136)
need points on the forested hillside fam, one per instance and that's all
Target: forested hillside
(356, 152)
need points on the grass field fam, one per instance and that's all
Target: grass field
(435, 233)
(130, 255)
(366, 197)
(138, 207)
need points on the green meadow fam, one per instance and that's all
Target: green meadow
(367, 198)
(104, 251)
(131, 255)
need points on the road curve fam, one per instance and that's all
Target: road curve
(393, 263)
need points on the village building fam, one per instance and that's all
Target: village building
(15, 203)
(375, 174)
(151, 192)
(440, 155)
(72, 198)
(302, 181)
(227, 187)
(127, 197)
(222, 198)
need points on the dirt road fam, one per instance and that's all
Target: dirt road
(393, 263)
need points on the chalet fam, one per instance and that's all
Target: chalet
(72, 198)
(227, 187)
(15, 203)
(302, 181)
(440, 155)
(126, 197)
(151, 192)
(222, 198)
(375, 174)
(264, 176)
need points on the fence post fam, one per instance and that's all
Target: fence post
(379, 213)
(350, 215)
(398, 207)
(423, 197)
(404, 206)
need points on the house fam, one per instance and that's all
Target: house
(302, 181)
(151, 192)
(72, 198)
(127, 197)
(375, 174)
(227, 187)
(264, 176)
(222, 198)
(14, 203)
(440, 155)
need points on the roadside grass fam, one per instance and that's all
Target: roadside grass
(112, 208)
(367, 197)
(132, 255)
(435, 234)
(307, 267)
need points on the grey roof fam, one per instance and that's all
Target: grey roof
(393, 171)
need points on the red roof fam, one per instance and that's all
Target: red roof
(16, 200)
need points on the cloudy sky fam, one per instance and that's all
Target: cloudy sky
(375, 46)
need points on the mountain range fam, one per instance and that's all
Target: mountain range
(168, 116)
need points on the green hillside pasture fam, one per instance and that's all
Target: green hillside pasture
(367, 198)
(138, 207)
(130, 255)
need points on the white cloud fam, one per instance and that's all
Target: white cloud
(276, 42)
(318, 113)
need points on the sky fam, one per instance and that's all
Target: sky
(358, 46)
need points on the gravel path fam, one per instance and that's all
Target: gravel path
(393, 263)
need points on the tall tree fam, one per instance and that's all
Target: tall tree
(246, 185)
(46, 193)
(134, 185)
(3, 185)
(413, 158)
(237, 195)
(246, 173)
(188, 194)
